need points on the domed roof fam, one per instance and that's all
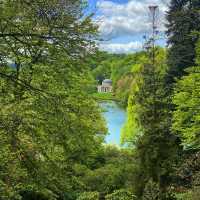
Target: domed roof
(107, 81)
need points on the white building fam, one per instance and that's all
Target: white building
(105, 87)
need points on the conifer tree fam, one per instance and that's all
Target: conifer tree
(155, 145)
(183, 19)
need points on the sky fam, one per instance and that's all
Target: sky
(123, 23)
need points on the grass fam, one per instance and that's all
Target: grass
(104, 96)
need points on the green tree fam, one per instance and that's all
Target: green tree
(115, 172)
(48, 132)
(48, 122)
(183, 19)
(33, 32)
(186, 117)
(155, 146)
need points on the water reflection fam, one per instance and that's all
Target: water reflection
(115, 117)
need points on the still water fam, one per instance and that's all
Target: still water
(115, 117)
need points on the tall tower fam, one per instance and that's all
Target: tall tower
(154, 14)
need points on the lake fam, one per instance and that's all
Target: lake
(115, 117)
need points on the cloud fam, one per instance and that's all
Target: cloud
(122, 48)
(129, 18)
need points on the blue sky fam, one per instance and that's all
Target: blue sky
(123, 23)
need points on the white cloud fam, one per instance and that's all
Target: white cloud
(121, 48)
(128, 19)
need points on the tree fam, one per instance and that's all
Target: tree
(48, 122)
(32, 32)
(48, 133)
(114, 172)
(155, 146)
(186, 117)
(183, 19)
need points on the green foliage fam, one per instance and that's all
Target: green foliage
(101, 64)
(120, 195)
(183, 19)
(120, 69)
(183, 26)
(189, 195)
(103, 96)
(148, 124)
(195, 193)
(132, 128)
(186, 117)
(49, 124)
(56, 139)
(184, 196)
(115, 172)
(51, 128)
(122, 75)
(102, 72)
(89, 196)
(151, 191)
(142, 94)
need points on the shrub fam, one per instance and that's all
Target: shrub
(89, 196)
(121, 195)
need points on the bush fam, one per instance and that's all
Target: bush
(152, 192)
(194, 194)
(89, 196)
(121, 195)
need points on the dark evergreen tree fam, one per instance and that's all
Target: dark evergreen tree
(183, 19)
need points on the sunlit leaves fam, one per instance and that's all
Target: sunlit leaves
(187, 115)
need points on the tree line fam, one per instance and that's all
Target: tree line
(51, 127)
